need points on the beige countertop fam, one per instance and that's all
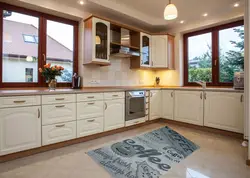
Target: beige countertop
(45, 91)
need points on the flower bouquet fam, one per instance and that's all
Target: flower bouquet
(50, 73)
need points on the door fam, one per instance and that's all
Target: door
(159, 51)
(168, 104)
(101, 40)
(224, 111)
(114, 116)
(145, 50)
(189, 107)
(20, 129)
(155, 104)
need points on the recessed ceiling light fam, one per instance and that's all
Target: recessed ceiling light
(81, 2)
(236, 5)
(205, 15)
(182, 21)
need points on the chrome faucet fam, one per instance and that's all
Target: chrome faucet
(203, 84)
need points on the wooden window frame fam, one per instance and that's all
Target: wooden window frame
(41, 45)
(215, 53)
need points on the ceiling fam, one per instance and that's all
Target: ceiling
(147, 14)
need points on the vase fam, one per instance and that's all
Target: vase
(52, 84)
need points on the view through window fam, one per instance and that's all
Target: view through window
(214, 55)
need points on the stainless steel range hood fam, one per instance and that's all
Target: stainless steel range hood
(121, 44)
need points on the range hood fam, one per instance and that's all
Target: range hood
(121, 44)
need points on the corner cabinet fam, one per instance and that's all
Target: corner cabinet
(96, 41)
(20, 129)
(155, 104)
(168, 104)
(224, 111)
(189, 107)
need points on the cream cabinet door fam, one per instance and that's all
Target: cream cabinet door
(90, 109)
(20, 129)
(168, 104)
(114, 115)
(224, 111)
(155, 107)
(189, 107)
(159, 51)
(89, 126)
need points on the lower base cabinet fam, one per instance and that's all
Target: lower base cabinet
(168, 104)
(20, 129)
(155, 105)
(224, 111)
(114, 114)
(189, 107)
(89, 126)
(58, 132)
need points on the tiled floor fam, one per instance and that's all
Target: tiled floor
(218, 157)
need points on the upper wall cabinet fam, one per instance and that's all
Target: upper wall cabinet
(171, 52)
(97, 41)
(145, 50)
(160, 51)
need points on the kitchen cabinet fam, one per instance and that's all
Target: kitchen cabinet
(97, 41)
(89, 126)
(155, 104)
(171, 52)
(159, 51)
(114, 114)
(20, 129)
(224, 111)
(145, 50)
(168, 104)
(189, 107)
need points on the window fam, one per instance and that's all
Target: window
(31, 39)
(214, 55)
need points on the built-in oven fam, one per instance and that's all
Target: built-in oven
(135, 105)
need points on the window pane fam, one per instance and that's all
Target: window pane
(200, 58)
(60, 40)
(231, 43)
(20, 51)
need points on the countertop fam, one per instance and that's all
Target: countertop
(45, 91)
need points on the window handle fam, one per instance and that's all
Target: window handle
(215, 62)
(44, 57)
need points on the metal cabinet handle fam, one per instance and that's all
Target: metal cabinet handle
(115, 95)
(105, 106)
(39, 114)
(172, 94)
(205, 95)
(60, 106)
(151, 94)
(60, 125)
(18, 102)
(201, 96)
(91, 103)
(241, 98)
(91, 97)
(91, 120)
(60, 99)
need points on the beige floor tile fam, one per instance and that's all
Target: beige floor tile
(218, 157)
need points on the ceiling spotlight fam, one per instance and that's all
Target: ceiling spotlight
(81, 2)
(205, 15)
(236, 5)
(182, 21)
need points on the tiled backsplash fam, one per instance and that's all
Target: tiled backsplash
(117, 74)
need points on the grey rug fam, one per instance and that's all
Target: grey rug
(146, 156)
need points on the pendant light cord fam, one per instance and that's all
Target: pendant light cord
(170, 2)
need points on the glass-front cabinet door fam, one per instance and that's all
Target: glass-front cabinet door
(145, 50)
(101, 40)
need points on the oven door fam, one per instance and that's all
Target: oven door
(135, 107)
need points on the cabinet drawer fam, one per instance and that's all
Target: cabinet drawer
(89, 127)
(17, 101)
(89, 97)
(58, 133)
(114, 95)
(52, 114)
(86, 110)
(135, 121)
(62, 98)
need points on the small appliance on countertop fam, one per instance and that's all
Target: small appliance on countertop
(76, 81)
(239, 80)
